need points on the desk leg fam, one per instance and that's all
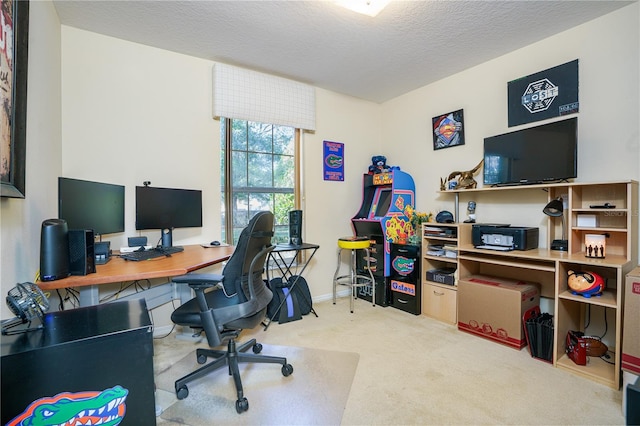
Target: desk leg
(89, 295)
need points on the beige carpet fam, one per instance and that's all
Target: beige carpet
(412, 370)
(316, 392)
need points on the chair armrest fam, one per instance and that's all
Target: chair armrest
(199, 280)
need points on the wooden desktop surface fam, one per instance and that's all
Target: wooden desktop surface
(193, 257)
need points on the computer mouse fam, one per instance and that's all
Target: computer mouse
(215, 243)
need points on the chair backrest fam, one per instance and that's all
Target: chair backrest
(243, 277)
(253, 238)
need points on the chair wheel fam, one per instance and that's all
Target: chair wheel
(201, 359)
(242, 405)
(287, 369)
(183, 392)
(257, 348)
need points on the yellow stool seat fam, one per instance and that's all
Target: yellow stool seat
(353, 243)
(353, 279)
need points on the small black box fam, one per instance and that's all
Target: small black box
(442, 276)
(137, 241)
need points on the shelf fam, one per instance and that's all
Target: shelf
(496, 260)
(441, 258)
(440, 238)
(607, 299)
(549, 267)
(596, 369)
(599, 229)
(436, 284)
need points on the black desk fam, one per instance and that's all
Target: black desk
(284, 266)
(87, 357)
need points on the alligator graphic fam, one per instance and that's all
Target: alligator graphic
(105, 408)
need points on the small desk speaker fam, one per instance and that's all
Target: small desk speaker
(295, 227)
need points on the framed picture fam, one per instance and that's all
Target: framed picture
(14, 43)
(448, 130)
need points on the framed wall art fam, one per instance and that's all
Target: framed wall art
(546, 94)
(14, 44)
(448, 130)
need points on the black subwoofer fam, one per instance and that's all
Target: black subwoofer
(295, 227)
(54, 250)
(82, 260)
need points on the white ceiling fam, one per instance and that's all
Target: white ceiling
(408, 45)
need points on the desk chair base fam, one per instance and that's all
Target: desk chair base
(231, 357)
(353, 279)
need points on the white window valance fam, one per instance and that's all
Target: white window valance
(249, 95)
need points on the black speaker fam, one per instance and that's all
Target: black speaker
(54, 250)
(82, 259)
(295, 227)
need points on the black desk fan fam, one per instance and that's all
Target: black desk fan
(27, 302)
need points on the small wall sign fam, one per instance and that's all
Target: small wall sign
(333, 161)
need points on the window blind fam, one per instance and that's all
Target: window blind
(249, 95)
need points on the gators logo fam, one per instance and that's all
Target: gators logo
(403, 265)
(333, 161)
(82, 408)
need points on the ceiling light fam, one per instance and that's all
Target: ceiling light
(365, 7)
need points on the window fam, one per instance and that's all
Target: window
(258, 169)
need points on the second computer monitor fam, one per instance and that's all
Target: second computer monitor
(168, 208)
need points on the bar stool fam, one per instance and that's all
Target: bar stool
(353, 279)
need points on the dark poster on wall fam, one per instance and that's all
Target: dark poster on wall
(546, 94)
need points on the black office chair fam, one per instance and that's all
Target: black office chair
(238, 301)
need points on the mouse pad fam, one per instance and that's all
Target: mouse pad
(209, 245)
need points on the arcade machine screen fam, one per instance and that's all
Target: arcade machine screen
(384, 201)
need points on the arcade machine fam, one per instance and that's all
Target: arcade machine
(385, 194)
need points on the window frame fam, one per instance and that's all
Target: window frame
(227, 174)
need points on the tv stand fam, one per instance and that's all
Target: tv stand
(550, 268)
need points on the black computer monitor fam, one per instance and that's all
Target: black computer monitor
(166, 209)
(91, 205)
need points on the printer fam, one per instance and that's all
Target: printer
(504, 237)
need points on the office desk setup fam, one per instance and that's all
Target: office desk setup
(193, 258)
(285, 265)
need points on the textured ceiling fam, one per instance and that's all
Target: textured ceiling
(408, 45)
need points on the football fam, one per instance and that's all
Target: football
(595, 347)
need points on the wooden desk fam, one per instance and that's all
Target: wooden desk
(193, 257)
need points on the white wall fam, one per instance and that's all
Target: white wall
(607, 50)
(20, 219)
(131, 114)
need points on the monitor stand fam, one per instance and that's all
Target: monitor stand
(167, 238)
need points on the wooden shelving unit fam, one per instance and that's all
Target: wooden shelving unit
(550, 268)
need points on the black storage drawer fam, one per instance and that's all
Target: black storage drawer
(404, 282)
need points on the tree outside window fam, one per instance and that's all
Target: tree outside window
(258, 173)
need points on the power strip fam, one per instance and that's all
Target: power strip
(132, 249)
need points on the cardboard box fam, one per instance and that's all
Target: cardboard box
(630, 330)
(493, 307)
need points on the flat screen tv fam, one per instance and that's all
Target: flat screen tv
(92, 205)
(538, 154)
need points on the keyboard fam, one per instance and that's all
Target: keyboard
(151, 253)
